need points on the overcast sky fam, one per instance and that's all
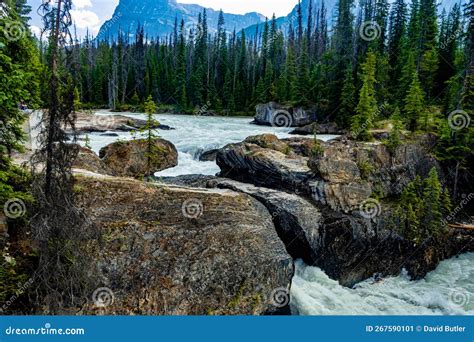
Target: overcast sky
(91, 14)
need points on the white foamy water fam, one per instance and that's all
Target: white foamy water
(448, 290)
(196, 134)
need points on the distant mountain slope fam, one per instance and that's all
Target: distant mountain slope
(158, 16)
(284, 22)
(331, 13)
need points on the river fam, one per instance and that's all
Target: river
(448, 290)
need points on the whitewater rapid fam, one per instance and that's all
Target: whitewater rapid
(194, 135)
(448, 290)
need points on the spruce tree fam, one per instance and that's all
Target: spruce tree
(366, 110)
(432, 206)
(19, 70)
(348, 105)
(415, 105)
(150, 136)
(394, 139)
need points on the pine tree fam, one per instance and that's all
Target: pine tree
(398, 17)
(19, 65)
(346, 110)
(394, 139)
(150, 136)
(87, 142)
(367, 108)
(415, 105)
(291, 76)
(432, 210)
(181, 68)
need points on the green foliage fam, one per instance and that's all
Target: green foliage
(415, 105)
(316, 149)
(13, 280)
(14, 183)
(366, 110)
(87, 142)
(77, 100)
(150, 107)
(322, 68)
(365, 169)
(394, 139)
(348, 95)
(150, 136)
(423, 205)
(19, 71)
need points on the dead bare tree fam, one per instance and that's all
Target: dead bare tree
(61, 230)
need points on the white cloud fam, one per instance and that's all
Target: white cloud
(35, 30)
(78, 4)
(86, 19)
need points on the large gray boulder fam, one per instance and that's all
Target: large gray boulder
(130, 158)
(263, 166)
(171, 250)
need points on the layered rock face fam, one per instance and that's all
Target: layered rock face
(257, 161)
(180, 251)
(274, 114)
(129, 159)
(318, 203)
(322, 128)
(342, 177)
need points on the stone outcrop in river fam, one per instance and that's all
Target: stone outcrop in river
(90, 123)
(322, 128)
(172, 250)
(319, 204)
(129, 158)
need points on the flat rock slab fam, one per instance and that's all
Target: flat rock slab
(101, 123)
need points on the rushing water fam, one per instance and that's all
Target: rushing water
(447, 290)
(197, 134)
